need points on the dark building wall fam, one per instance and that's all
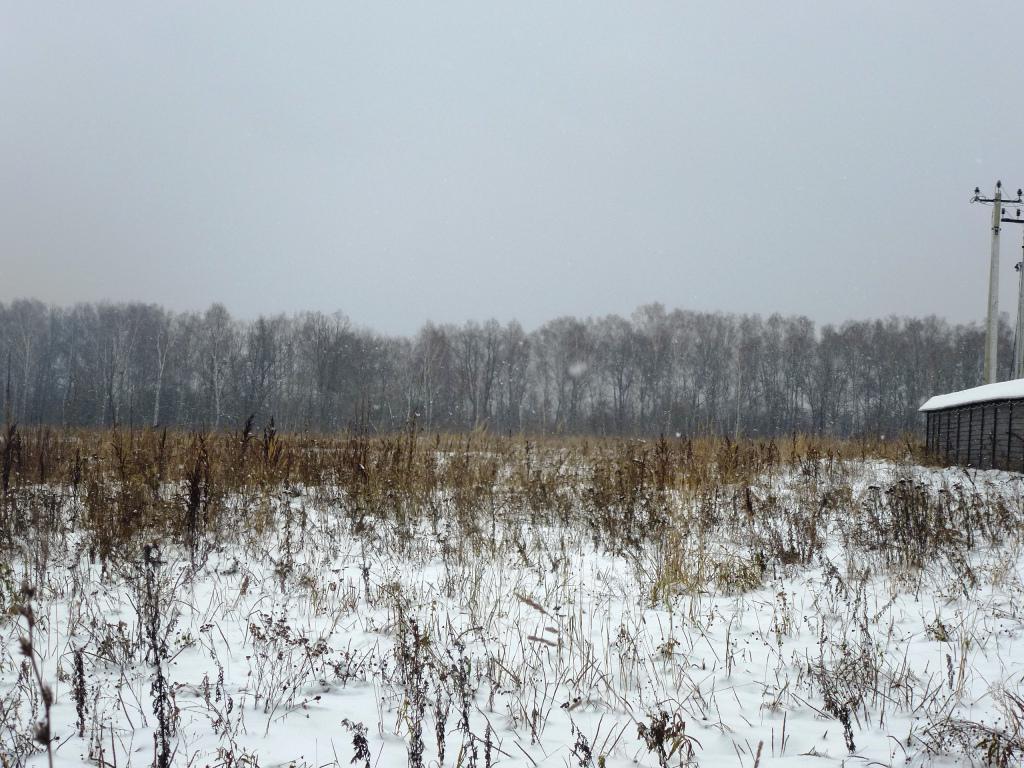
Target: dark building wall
(983, 435)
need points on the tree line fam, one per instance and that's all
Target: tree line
(656, 372)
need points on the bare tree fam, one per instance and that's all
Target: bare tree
(658, 372)
(219, 350)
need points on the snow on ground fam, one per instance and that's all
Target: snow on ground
(529, 644)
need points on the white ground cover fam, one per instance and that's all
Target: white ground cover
(542, 645)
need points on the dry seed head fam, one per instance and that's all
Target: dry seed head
(42, 732)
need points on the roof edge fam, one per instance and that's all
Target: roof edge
(986, 393)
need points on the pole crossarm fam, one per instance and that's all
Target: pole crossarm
(998, 198)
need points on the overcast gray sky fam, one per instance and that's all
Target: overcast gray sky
(452, 161)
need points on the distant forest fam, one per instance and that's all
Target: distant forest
(657, 372)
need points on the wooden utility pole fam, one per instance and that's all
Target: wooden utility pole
(992, 326)
(1018, 336)
(991, 374)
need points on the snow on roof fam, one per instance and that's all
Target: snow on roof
(1002, 390)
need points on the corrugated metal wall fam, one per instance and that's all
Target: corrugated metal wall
(983, 435)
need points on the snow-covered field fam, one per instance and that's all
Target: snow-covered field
(829, 613)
